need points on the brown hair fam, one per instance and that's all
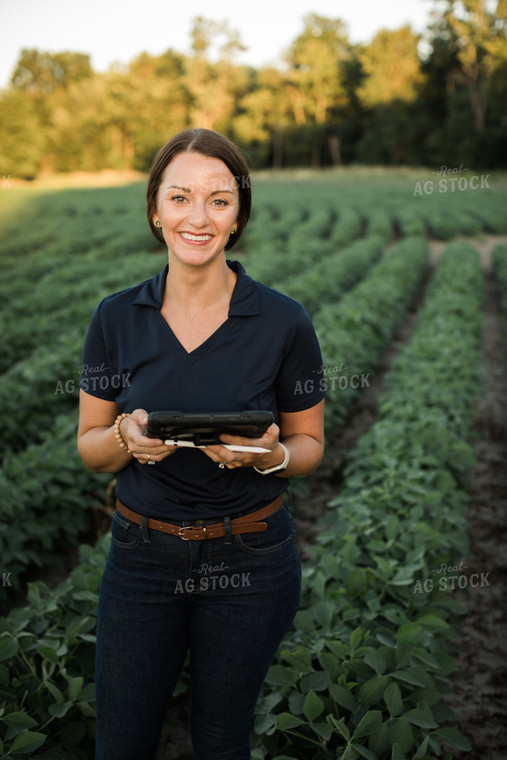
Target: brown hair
(210, 144)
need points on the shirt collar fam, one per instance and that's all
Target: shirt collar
(245, 299)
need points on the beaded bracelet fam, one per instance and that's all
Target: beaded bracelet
(117, 432)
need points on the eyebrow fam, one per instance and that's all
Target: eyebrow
(188, 190)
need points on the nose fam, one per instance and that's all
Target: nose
(198, 216)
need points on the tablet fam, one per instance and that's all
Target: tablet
(203, 429)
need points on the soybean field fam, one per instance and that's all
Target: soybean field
(396, 652)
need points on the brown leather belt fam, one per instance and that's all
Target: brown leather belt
(246, 524)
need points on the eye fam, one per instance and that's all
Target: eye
(220, 202)
(179, 199)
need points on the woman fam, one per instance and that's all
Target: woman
(201, 336)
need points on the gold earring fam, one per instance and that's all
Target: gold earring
(233, 231)
(157, 223)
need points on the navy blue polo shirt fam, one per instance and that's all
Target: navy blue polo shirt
(264, 356)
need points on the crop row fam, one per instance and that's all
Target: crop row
(437, 214)
(354, 332)
(363, 670)
(44, 384)
(65, 294)
(315, 284)
(47, 653)
(45, 494)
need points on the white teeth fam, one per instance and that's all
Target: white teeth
(198, 238)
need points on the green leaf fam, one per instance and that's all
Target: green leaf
(48, 653)
(453, 736)
(421, 752)
(58, 710)
(393, 699)
(75, 686)
(376, 660)
(355, 638)
(8, 647)
(343, 697)
(19, 720)
(300, 658)
(322, 729)
(408, 633)
(392, 527)
(318, 681)
(364, 752)
(285, 720)
(313, 706)
(355, 583)
(323, 613)
(27, 742)
(434, 622)
(420, 718)
(319, 585)
(408, 677)
(404, 576)
(55, 692)
(371, 691)
(304, 621)
(397, 753)
(87, 693)
(341, 726)
(278, 675)
(368, 724)
(338, 648)
(402, 735)
(296, 702)
(263, 723)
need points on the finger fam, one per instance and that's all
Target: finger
(268, 440)
(221, 456)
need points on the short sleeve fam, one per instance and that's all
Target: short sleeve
(97, 378)
(299, 383)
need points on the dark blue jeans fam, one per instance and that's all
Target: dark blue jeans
(228, 605)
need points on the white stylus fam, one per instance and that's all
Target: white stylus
(191, 444)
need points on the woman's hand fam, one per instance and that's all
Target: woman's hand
(232, 459)
(302, 434)
(144, 449)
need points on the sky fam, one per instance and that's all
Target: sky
(115, 31)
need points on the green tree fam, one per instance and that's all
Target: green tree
(214, 87)
(391, 67)
(160, 101)
(314, 84)
(475, 30)
(263, 114)
(40, 73)
(388, 92)
(22, 142)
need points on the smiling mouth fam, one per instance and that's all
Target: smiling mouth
(196, 238)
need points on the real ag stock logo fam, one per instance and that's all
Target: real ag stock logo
(450, 182)
(445, 581)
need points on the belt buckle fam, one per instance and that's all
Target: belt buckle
(192, 528)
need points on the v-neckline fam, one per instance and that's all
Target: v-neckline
(190, 357)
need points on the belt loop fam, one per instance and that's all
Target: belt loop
(227, 530)
(144, 530)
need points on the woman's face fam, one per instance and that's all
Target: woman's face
(197, 206)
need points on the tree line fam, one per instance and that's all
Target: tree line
(398, 100)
